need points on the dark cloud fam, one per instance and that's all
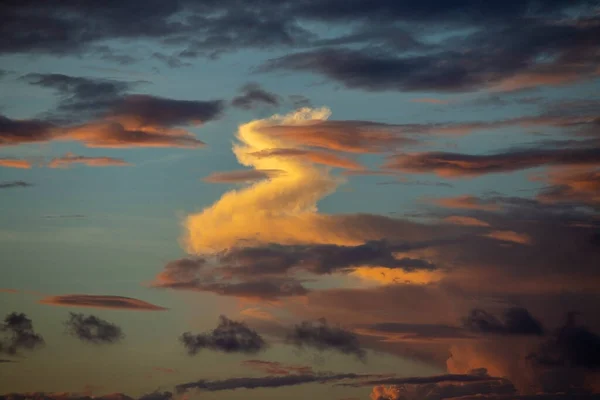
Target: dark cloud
(83, 396)
(16, 334)
(277, 368)
(320, 258)
(572, 345)
(264, 382)
(322, 336)
(253, 96)
(228, 337)
(14, 184)
(81, 93)
(92, 329)
(516, 321)
(444, 390)
(100, 301)
(416, 331)
(419, 380)
(13, 131)
(459, 165)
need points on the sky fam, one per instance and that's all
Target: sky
(326, 199)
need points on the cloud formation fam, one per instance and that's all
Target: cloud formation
(14, 163)
(68, 159)
(516, 321)
(322, 336)
(228, 337)
(17, 333)
(240, 176)
(253, 96)
(100, 301)
(277, 368)
(14, 184)
(91, 329)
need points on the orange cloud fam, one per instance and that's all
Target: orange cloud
(430, 100)
(464, 220)
(394, 276)
(100, 301)
(14, 163)
(510, 236)
(257, 313)
(317, 157)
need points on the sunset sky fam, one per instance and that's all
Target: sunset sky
(299, 199)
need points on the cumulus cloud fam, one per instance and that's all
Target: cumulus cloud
(70, 158)
(17, 333)
(100, 301)
(285, 206)
(466, 221)
(91, 329)
(228, 337)
(322, 336)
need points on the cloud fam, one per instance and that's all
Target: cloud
(277, 368)
(285, 206)
(263, 382)
(100, 301)
(509, 236)
(516, 321)
(453, 165)
(14, 184)
(429, 100)
(83, 396)
(312, 156)
(466, 202)
(322, 336)
(16, 334)
(347, 136)
(572, 345)
(228, 337)
(14, 163)
(70, 158)
(14, 131)
(572, 185)
(253, 96)
(92, 329)
(410, 331)
(466, 221)
(240, 176)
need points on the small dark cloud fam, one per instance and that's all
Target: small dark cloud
(228, 337)
(69, 159)
(572, 345)
(322, 336)
(419, 380)
(92, 329)
(100, 301)
(515, 321)
(417, 331)
(173, 61)
(14, 184)
(16, 334)
(253, 96)
(157, 396)
(50, 216)
(299, 101)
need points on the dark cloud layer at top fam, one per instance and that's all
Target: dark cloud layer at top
(16, 334)
(92, 329)
(228, 337)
